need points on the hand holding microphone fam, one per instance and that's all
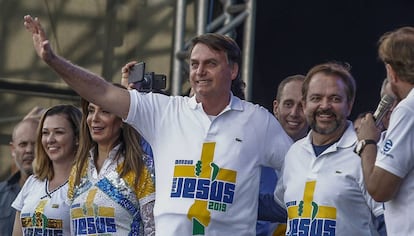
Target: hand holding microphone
(383, 107)
(369, 134)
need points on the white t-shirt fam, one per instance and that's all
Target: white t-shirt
(43, 212)
(396, 155)
(326, 194)
(207, 171)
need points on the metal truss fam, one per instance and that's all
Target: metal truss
(233, 14)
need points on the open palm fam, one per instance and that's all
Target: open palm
(40, 41)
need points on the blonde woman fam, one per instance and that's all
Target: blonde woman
(40, 206)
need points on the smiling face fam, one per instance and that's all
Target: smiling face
(289, 111)
(58, 138)
(210, 73)
(104, 127)
(326, 105)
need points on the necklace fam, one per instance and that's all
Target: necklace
(49, 194)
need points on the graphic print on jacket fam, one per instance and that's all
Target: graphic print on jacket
(211, 187)
(306, 217)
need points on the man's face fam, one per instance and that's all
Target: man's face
(326, 106)
(210, 72)
(23, 145)
(289, 110)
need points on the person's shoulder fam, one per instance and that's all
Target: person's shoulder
(300, 144)
(254, 107)
(12, 180)
(179, 98)
(150, 95)
(31, 180)
(407, 102)
(3, 185)
(170, 99)
(256, 114)
(404, 109)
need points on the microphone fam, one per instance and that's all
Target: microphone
(383, 107)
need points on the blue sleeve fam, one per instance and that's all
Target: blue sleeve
(379, 223)
(268, 180)
(262, 228)
(269, 210)
(146, 147)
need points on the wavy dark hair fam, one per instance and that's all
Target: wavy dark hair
(130, 147)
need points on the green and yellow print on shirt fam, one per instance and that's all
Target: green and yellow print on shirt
(211, 187)
(39, 224)
(306, 217)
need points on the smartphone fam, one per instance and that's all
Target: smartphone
(137, 73)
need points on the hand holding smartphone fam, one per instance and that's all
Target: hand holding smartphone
(136, 74)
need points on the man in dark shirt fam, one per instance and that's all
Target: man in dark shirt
(22, 151)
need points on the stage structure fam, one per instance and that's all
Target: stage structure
(232, 15)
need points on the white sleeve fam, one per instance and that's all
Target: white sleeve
(18, 202)
(396, 152)
(146, 111)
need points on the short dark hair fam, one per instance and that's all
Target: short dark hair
(285, 81)
(219, 42)
(223, 43)
(333, 68)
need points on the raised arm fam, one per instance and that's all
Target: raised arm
(87, 84)
(381, 184)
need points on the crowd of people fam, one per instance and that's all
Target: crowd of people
(133, 163)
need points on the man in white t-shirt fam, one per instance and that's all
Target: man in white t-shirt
(321, 184)
(389, 169)
(208, 149)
